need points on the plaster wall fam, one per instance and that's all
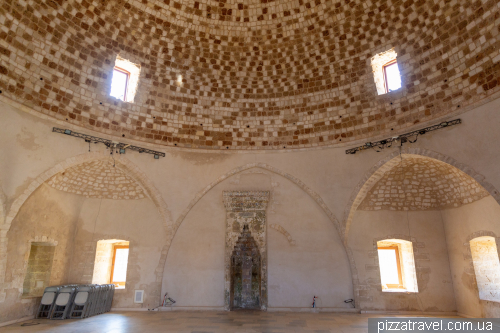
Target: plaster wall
(140, 224)
(425, 230)
(314, 264)
(29, 148)
(47, 216)
(463, 224)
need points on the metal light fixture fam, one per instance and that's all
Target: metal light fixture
(403, 138)
(113, 145)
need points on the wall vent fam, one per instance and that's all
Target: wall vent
(139, 296)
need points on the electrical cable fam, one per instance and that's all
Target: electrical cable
(93, 232)
(405, 202)
(113, 156)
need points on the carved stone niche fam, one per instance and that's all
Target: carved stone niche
(245, 278)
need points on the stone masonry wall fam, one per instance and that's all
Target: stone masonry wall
(422, 184)
(98, 179)
(39, 268)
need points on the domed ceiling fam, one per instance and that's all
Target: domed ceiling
(418, 183)
(266, 74)
(97, 179)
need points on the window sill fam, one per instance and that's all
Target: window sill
(398, 291)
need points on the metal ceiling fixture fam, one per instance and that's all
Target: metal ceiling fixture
(120, 147)
(403, 138)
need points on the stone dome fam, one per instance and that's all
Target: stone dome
(256, 74)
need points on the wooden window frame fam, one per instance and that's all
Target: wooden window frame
(390, 63)
(398, 262)
(120, 284)
(121, 70)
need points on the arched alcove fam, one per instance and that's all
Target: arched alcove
(430, 200)
(76, 203)
(194, 275)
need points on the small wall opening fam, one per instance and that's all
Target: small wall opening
(111, 261)
(487, 267)
(125, 79)
(386, 72)
(397, 266)
(37, 278)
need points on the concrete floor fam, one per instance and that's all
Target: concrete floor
(203, 322)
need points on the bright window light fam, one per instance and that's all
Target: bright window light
(120, 262)
(392, 76)
(119, 84)
(487, 267)
(390, 271)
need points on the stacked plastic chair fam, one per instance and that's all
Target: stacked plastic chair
(63, 302)
(75, 301)
(91, 300)
(47, 303)
(82, 301)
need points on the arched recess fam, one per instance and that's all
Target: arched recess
(277, 171)
(128, 167)
(378, 170)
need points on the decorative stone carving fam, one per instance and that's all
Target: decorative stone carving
(247, 201)
(246, 223)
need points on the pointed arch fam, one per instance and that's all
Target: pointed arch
(316, 197)
(373, 175)
(123, 163)
(127, 166)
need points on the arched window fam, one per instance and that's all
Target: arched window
(487, 267)
(397, 265)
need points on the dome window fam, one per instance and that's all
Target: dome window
(119, 83)
(386, 72)
(125, 80)
(392, 76)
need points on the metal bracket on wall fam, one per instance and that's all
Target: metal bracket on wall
(403, 138)
(120, 147)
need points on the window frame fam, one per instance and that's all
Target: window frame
(384, 67)
(120, 284)
(124, 71)
(398, 262)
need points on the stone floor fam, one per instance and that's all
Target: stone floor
(202, 322)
